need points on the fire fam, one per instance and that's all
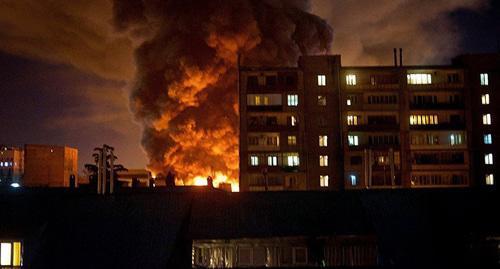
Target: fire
(218, 178)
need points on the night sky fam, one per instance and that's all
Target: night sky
(65, 75)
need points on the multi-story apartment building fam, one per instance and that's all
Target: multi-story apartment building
(11, 165)
(322, 126)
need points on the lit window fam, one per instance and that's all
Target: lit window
(323, 141)
(350, 79)
(485, 99)
(323, 160)
(293, 159)
(353, 140)
(10, 254)
(272, 160)
(484, 79)
(490, 180)
(456, 139)
(352, 120)
(487, 139)
(293, 121)
(349, 101)
(323, 180)
(486, 119)
(292, 140)
(488, 158)
(416, 79)
(257, 100)
(424, 120)
(321, 80)
(354, 180)
(292, 100)
(1, 164)
(254, 160)
(321, 100)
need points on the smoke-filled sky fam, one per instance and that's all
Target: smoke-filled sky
(78, 72)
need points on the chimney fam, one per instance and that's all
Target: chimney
(400, 57)
(395, 58)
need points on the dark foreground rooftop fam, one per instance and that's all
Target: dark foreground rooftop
(63, 228)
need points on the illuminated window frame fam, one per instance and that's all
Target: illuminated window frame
(292, 140)
(489, 179)
(354, 180)
(424, 119)
(321, 80)
(323, 160)
(484, 79)
(292, 100)
(488, 158)
(419, 79)
(487, 119)
(487, 139)
(353, 140)
(11, 253)
(352, 120)
(350, 79)
(293, 160)
(323, 180)
(254, 160)
(272, 160)
(321, 100)
(485, 99)
(456, 139)
(323, 141)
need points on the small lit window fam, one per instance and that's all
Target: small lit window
(486, 119)
(292, 140)
(456, 139)
(488, 158)
(485, 99)
(424, 119)
(321, 100)
(353, 140)
(350, 79)
(254, 160)
(321, 80)
(484, 79)
(352, 120)
(323, 180)
(487, 139)
(10, 254)
(323, 141)
(490, 180)
(293, 160)
(272, 160)
(293, 121)
(348, 101)
(354, 180)
(292, 100)
(417, 79)
(323, 160)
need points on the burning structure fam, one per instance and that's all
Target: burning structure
(185, 94)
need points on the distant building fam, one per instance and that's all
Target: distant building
(324, 126)
(11, 165)
(141, 177)
(49, 166)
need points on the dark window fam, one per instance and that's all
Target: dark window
(252, 82)
(270, 81)
(356, 160)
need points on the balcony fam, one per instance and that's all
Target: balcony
(440, 126)
(265, 108)
(436, 86)
(373, 127)
(372, 87)
(437, 106)
(272, 128)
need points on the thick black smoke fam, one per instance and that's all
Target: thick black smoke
(185, 93)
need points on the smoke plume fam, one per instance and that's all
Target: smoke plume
(185, 93)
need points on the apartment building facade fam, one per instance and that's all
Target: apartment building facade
(11, 165)
(322, 126)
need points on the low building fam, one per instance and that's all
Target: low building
(49, 166)
(11, 165)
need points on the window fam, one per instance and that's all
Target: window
(354, 180)
(323, 160)
(490, 180)
(424, 120)
(299, 255)
(272, 160)
(293, 159)
(456, 139)
(484, 79)
(348, 102)
(321, 80)
(485, 99)
(254, 160)
(293, 121)
(273, 141)
(10, 253)
(353, 140)
(292, 140)
(350, 79)
(253, 140)
(323, 141)
(264, 99)
(292, 100)
(487, 119)
(323, 180)
(352, 120)
(351, 100)
(487, 139)
(321, 100)
(417, 79)
(488, 158)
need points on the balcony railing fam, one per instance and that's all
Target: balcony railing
(373, 127)
(441, 126)
(265, 108)
(437, 106)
